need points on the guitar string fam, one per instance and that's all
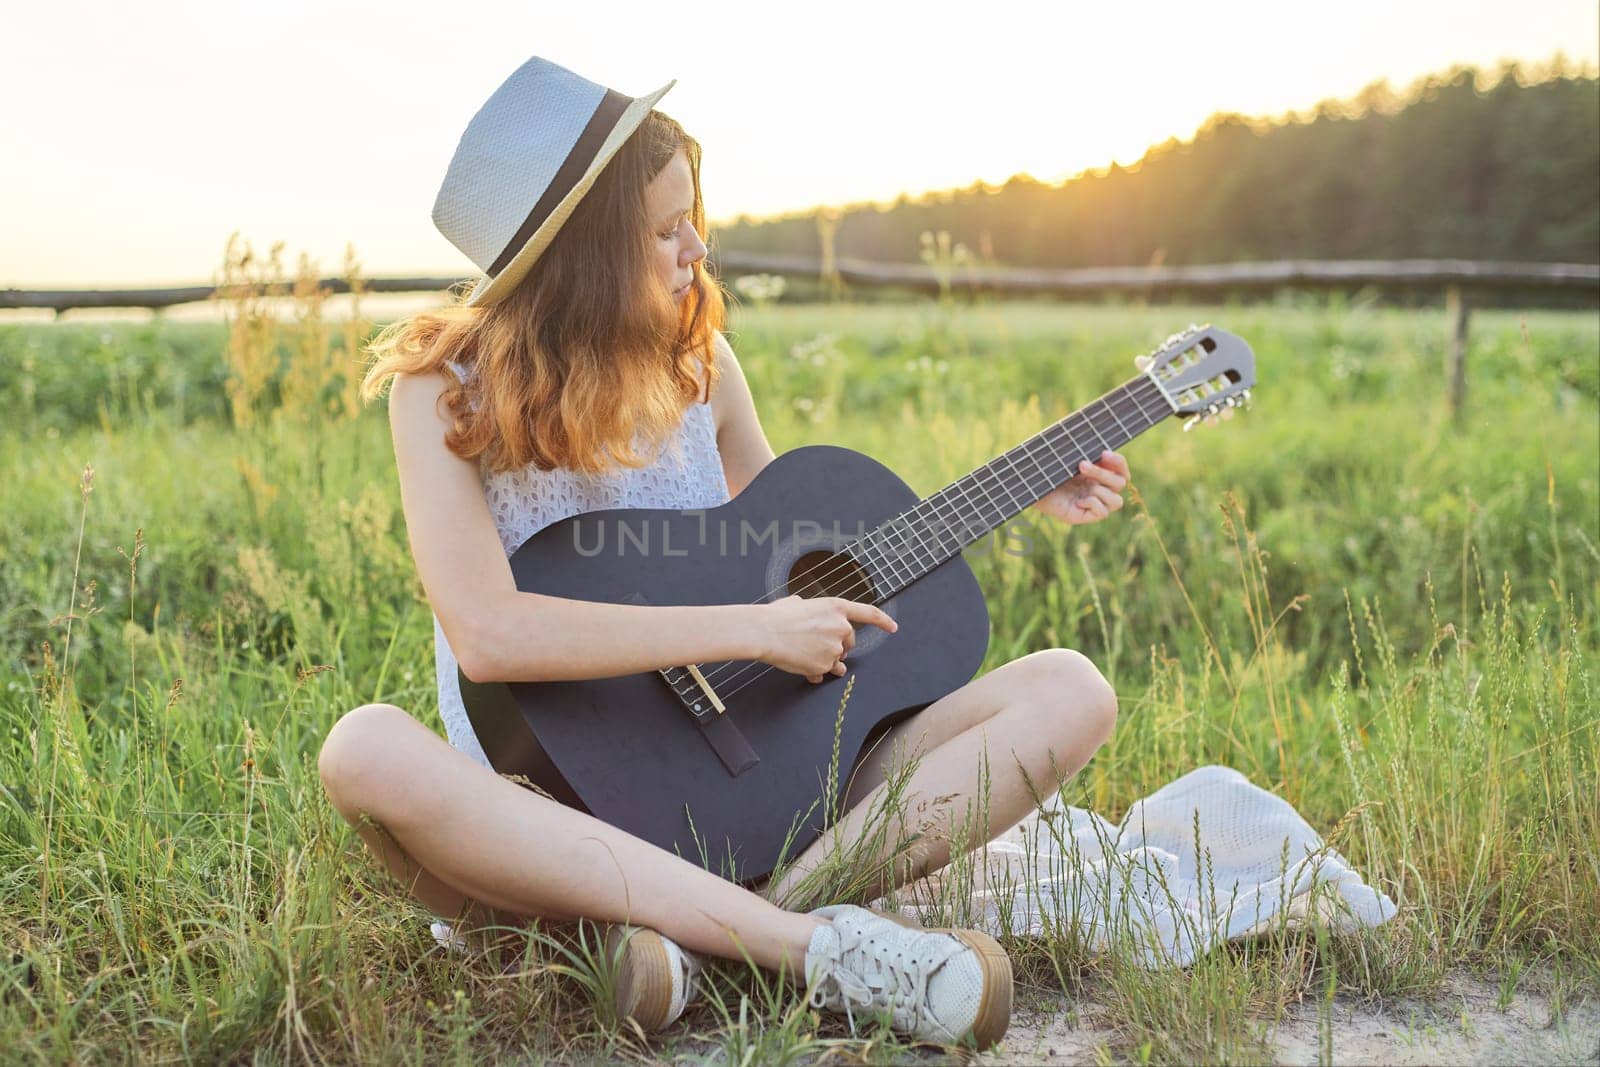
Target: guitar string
(1109, 401)
(992, 476)
(984, 479)
(1127, 397)
(721, 673)
(1024, 449)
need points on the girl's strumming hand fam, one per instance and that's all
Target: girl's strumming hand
(1090, 496)
(811, 635)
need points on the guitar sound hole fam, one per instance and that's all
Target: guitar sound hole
(824, 573)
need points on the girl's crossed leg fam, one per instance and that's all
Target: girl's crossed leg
(1034, 722)
(473, 845)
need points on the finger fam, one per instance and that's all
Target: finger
(1114, 461)
(814, 679)
(1091, 508)
(858, 612)
(1103, 475)
(849, 641)
(838, 669)
(1109, 497)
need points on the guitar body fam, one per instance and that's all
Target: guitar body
(627, 746)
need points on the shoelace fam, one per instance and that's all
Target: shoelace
(886, 983)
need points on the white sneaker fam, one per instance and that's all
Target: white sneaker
(941, 985)
(656, 978)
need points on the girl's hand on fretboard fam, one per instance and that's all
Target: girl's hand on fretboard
(1091, 495)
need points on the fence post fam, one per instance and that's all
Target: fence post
(828, 219)
(1458, 310)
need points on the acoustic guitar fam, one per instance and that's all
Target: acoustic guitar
(728, 763)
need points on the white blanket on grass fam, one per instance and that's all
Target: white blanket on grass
(1207, 858)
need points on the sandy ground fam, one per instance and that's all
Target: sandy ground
(1464, 1025)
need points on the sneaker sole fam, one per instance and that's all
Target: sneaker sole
(644, 978)
(994, 1010)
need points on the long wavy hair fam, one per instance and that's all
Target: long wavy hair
(589, 349)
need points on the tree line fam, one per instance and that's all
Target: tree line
(1503, 164)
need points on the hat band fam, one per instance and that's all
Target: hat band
(574, 167)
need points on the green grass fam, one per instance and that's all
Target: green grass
(1387, 619)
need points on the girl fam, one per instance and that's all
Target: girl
(587, 370)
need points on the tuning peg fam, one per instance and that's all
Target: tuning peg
(1190, 423)
(1142, 362)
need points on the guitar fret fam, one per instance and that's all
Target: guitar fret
(1050, 483)
(1052, 480)
(1142, 413)
(1009, 494)
(1066, 429)
(1031, 492)
(1095, 430)
(1126, 436)
(893, 565)
(903, 543)
(883, 560)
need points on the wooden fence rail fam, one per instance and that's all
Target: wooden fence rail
(1457, 277)
(1199, 279)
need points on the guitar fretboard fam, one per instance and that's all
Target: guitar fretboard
(936, 528)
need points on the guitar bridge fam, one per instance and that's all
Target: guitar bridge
(687, 683)
(705, 687)
(691, 687)
(694, 690)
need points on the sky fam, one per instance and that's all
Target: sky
(137, 137)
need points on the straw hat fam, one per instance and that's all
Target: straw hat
(527, 157)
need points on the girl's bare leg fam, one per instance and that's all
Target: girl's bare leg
(1037, 719)
(471, 843)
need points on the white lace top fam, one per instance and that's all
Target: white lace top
(687, 474)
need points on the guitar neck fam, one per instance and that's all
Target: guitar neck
(936, 528)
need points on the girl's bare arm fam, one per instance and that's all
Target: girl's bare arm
(740, 439)
(499, 633)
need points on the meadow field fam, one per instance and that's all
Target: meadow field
(1385, 617)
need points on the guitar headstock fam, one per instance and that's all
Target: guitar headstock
(1204, 372)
